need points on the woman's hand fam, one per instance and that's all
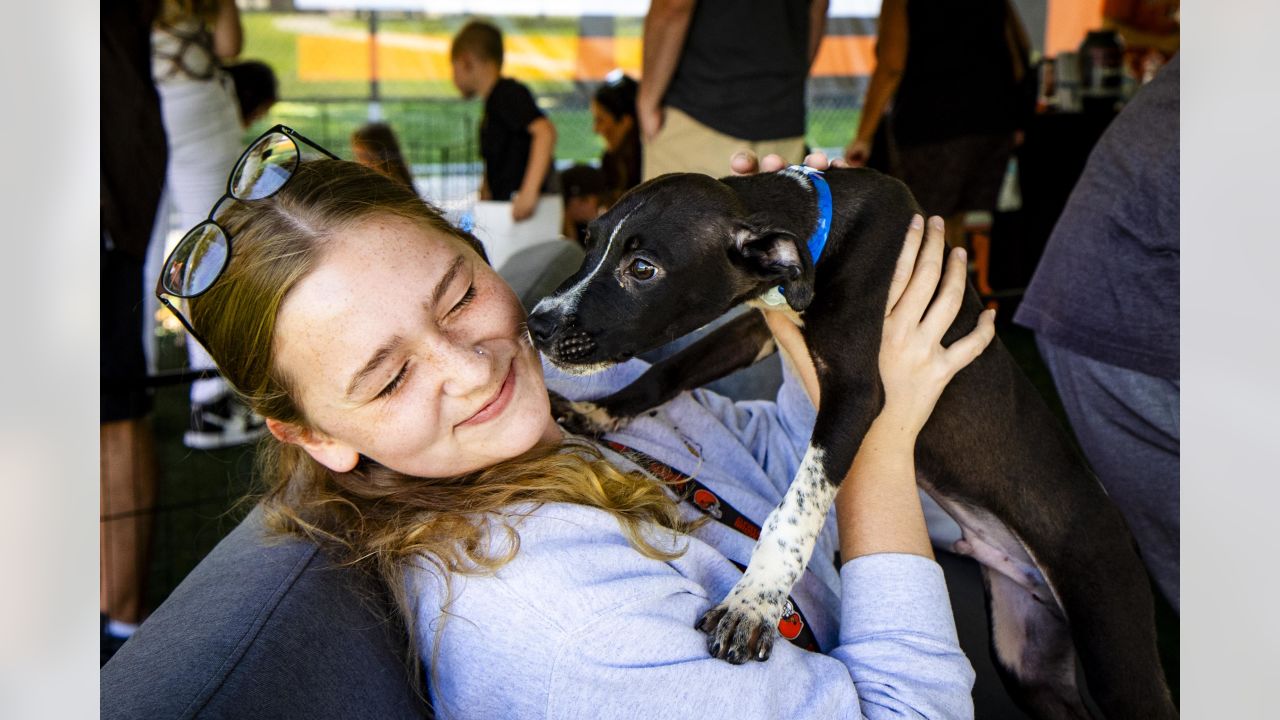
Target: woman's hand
(914, 366)
(745, 162)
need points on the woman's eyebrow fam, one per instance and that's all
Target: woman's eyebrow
(446, 279)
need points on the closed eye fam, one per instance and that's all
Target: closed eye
(466, 299)
(395, 383)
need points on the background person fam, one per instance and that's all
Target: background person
(256, 89)
(613, 115)
(711, 88)
(190, 41)
(953, 74)
(517, 141)
(375, 145)
(1104, 304)
(584, 191)
(132, 177)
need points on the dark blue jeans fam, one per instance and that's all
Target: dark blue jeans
(1127, 424)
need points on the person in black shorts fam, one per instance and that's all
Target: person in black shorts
(133, 159)
(517, 141)
(954, 74)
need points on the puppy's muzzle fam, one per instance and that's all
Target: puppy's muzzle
(559, 336)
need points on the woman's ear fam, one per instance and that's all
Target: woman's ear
(333, 454)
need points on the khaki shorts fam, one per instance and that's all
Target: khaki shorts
(686, 145)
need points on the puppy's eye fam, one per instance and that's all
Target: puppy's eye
(641, 269)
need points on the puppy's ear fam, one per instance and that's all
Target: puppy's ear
(775, 255)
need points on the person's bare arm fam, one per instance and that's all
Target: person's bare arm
(535, 172)
(665, 28)
(891, 59)
(228, 36)
(817, 27)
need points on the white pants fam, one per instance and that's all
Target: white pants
(202, 123)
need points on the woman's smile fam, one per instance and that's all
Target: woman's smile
(497, 402)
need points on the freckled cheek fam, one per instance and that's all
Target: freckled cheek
(401, 438)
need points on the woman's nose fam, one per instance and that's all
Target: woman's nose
(468, 368)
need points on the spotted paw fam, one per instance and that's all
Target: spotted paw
(738, 631)
(584, 418)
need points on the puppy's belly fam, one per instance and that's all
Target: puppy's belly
(989, 541)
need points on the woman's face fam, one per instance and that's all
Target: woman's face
(404, 346)
(612, 129)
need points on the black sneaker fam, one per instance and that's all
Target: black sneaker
(225, 422)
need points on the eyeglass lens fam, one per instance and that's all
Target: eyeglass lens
(196, 261)
(265, 167)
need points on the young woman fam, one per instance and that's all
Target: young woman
(545, 575)
(613, 116)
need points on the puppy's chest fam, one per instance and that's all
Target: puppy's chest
(761, 303)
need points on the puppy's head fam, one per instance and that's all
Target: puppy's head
(672, 255)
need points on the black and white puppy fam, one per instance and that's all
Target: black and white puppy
(1063, 577)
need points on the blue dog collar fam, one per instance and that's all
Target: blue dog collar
(818, 240)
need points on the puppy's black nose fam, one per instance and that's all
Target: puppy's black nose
(542, 326)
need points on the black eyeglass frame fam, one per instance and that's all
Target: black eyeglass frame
(161, 291)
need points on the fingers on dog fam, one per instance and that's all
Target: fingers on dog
(924, 280)
(743, 162)
(906, 264)
(817, 160)
(968, 348)
(946, 304)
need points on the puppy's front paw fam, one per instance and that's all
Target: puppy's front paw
(739, 630)
(585, 418)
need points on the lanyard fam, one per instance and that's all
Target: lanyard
(792, 626)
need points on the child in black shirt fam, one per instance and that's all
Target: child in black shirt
(516, 140)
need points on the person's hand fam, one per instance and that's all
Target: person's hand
(523, 204)
(651, 117)
(745, 162)
(914, 366)
(857, 153)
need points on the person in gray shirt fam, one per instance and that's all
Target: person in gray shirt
(543, 574)
(1104, 305)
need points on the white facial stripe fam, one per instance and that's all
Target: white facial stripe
(568, 301)
(789, 535)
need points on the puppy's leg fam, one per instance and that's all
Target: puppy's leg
(742, 627)
(1032, 648)
(1030, 640)
(993, 443)
(743, 341)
